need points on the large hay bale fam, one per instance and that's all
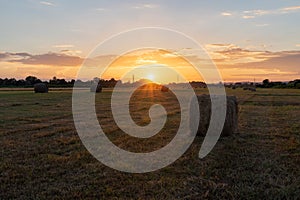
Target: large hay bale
(96, 87)
(231, 120)
(40, 88)
(164, 89)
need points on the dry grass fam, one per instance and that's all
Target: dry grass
(42, 156)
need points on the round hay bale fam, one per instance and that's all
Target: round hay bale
(231, 120)
(252, 89)
(96, 87)
(164, 89)
(40, 88)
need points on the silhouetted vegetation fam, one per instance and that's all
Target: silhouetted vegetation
(277, 84)
(30, 81)
(56, 82)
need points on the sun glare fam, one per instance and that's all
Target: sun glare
(151, 64)
(151, 77)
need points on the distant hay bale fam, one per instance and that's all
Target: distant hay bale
(40, 88)
(96, 87)
(164, 89)
(231, 120)
(252, 89)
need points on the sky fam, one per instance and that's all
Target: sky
(247, 40)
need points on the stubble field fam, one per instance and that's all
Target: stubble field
(43, 157)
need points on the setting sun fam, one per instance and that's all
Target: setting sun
(150, 99)
(158, 66)
(151, 77)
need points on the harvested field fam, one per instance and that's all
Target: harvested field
(43, 157)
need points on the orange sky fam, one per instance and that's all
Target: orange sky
(247, 40)
(233, 62)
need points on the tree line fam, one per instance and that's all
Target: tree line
(278, 84)
(29, 81)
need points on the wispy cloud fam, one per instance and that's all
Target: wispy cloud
(226, 14)
(63, 46)
(250, 14)
(145, 6)
(256, 13)
(71, 52)
(101, 9)
(142, 61)
(47, 3)
(262, 25)
(292, 8)
(297, 45)
(220, 46)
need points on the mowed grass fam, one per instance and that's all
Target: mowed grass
(43, 157)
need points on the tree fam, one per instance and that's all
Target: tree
(266, 82)
(31, 80)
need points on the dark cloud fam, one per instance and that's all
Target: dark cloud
(22, 54)
(286, 60)
(53, 59)
(243, 58)
(3, 55)
(268, 74)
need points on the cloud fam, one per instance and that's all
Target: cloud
(63, 46)
(273, 63)
(262, 25)
(145, 6)
(70, 52)
(47, 3)
(226, 14)
(233, 55)
(141, 61)
(258, 12)
(236, 63)
(10, 57)
(52, 59)
(210, 46)
(284, 61)
(292, 8)
(250, 14)
(263, 73)
(244, 64)
(230, 56)
(297, 45)
(101, 9)
(3, 56)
